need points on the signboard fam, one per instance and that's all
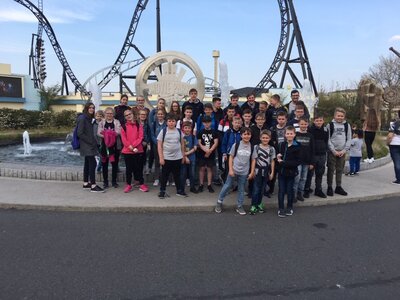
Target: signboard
(10, 87)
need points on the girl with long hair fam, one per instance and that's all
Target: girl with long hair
(132, 138)
(175, 109)
(88, 147)
(370, 126)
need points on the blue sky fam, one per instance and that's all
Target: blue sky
(343, 38)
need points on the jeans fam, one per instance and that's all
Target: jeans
(285, 187)
(395, 154)
(369, 137)
(241, 179)
(259, 184)
(300, 179)
(188, 171)
(354, 163)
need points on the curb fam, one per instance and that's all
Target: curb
(186, 209)
(57, 173)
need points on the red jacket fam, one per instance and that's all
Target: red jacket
(132, 135)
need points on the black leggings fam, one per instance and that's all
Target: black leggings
(369, 137)
(89, 169)
(134, 165)
(114, 171)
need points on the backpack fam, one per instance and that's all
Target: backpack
(165, 132)
(332, 128)
(75, 139)
(237, 147)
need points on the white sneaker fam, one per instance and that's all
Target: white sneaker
(371, 160)
(173, 184)
(187, 182)
(156, 182)
(167, 183)
(366, 160)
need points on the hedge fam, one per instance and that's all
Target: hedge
(24, 119)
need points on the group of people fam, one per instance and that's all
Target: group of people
(200, 145)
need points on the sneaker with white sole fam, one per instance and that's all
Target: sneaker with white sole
(96, 189)
(127, 188)
(187, 182)
(87, 186)
(281, 214)
(289, 212)
(218, 208)
(156, 182)
(144, 188)
(240, 210)
(182, 194)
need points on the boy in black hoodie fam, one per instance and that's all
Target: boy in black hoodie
(321, 136)
(288, 159)
(306, 141)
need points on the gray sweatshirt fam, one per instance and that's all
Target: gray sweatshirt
(356, 147)
(337, 140)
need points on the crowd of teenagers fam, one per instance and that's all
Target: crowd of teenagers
(249, 147)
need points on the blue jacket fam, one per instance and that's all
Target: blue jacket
(156, 129)
(214, 123)
(230, 138)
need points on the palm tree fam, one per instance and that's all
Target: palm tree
(48, 95)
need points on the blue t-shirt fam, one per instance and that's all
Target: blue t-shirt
(190, 142)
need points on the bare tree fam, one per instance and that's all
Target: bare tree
(386, 72)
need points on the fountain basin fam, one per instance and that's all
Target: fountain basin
(56, 153)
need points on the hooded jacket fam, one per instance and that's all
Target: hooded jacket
(132, 135)
(231, 137)
(337, 139)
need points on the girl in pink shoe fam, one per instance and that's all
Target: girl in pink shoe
(132, 138)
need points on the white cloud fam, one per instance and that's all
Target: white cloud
(395, 38)
(58, 16)
(13, 15)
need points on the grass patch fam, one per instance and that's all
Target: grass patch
(379, 146)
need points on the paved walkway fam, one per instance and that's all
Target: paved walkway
(66, 195)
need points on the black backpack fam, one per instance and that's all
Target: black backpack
(237, 147)
(332, 128)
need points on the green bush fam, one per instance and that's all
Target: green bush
(328, 102)
(28, 119)
(65, 118)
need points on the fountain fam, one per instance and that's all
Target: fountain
(51, 153)
(27, 143)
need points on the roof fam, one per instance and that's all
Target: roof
(243, 92)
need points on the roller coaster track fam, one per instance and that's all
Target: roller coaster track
(122, 68)
(286, 42)
(282, 47)
(284, 51)
(53, 41)
(115, 69)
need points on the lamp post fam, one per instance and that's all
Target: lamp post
(215, 55)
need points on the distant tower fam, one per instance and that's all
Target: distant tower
(215, 55)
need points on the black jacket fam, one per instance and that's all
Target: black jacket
(87, 139)
(256, 133)
(291, 159)
(306, 141)
(321, 137)
(272, 114)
